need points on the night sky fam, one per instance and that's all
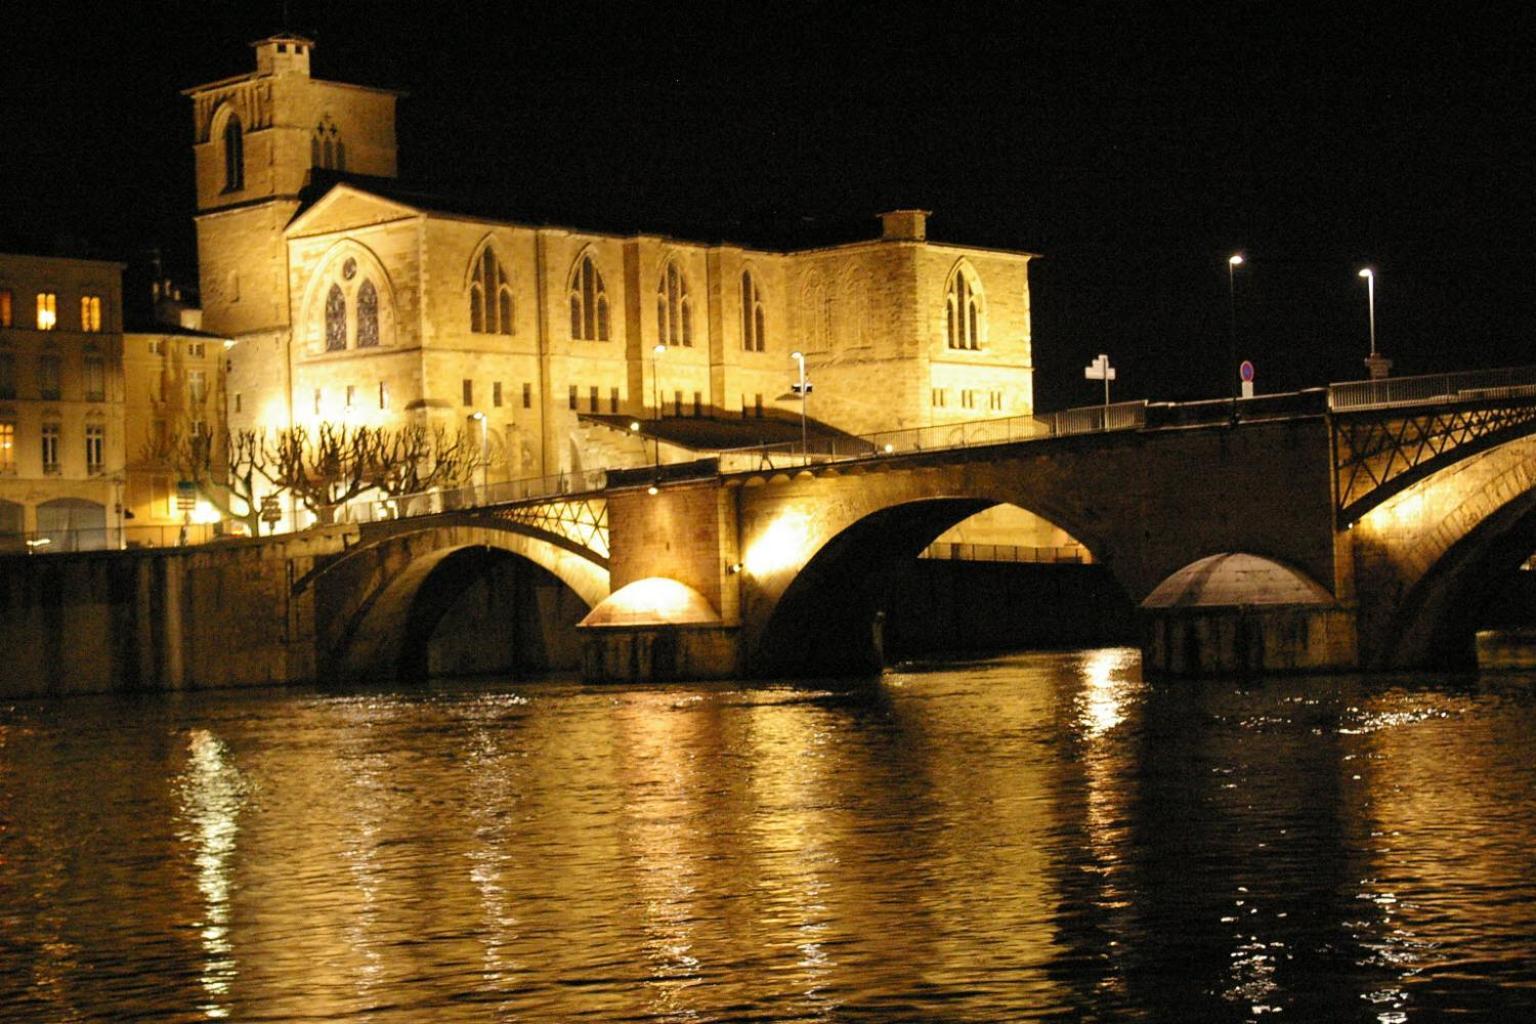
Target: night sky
(1133, 146)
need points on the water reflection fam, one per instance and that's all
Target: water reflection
(211, 794)
(1037, 837)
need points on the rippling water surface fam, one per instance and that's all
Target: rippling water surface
(1039, 837)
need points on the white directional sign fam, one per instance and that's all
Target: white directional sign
(1100, 369)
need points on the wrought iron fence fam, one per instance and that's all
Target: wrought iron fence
(453, 499)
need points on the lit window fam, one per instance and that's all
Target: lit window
(234, 155)
(195, 349)
(335, 320)
(48, 377)
(589, 303)
(90, 313)
(95, 377)
(367, 316)
(751, 314)
(674, 310)
(95, 448)
(197, 386)
(5, 307)
(490, 296)
(50, 448)
(47, 311)
(963, 312)
(7, 447)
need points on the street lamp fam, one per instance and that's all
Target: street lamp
(656, 353)
(485, 460)
(1233, 262)
(802, 388)
(1377, 366)
(1370, 299)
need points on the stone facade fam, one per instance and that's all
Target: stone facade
(61, 403)
(370, 306)
(173, 386)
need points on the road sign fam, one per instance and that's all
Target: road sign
(186, 495)
(1100, 369)
(271, 511)
(1246, 371)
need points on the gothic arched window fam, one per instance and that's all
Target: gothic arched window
(325, 146)
(335, 320)
(963, 320)
(674, 310)
(752, 320)
(234, 155)
(490, 296)
(589, 303)
(367, 315)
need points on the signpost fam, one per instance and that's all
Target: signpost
(186, 495)
(1245, 373)
(1100, 369)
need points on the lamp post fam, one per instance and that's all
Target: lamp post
(485, 459)
(802, 388)
(1370, 302)
(1233, 262)
(656, 353)
(1376, 366)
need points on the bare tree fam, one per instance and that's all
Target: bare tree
(225, 467)
(417, 458)
(329, 467)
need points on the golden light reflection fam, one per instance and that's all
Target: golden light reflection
(783, 545)
(1106, 682)
(665, 841)
(212, 793)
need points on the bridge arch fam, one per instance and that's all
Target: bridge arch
(379, 604)
(1424, 558)
(818, 578)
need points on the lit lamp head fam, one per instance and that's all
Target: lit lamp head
(478, 417)
(658, 350)
(1368, 273)
(1235, 260)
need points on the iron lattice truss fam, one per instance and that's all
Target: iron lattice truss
(1374, 458)
(581, 521)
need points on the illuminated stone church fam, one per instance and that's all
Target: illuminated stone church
(352, 301)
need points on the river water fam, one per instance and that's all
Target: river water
(1034, 837)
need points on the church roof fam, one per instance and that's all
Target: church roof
(765, 230)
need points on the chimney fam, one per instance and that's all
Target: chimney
(904, 226)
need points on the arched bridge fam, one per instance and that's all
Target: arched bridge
(1349, 527)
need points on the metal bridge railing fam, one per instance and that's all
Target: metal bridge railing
(454, 499)
(1074, 554)
(1090, 419)
(1518, 382)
